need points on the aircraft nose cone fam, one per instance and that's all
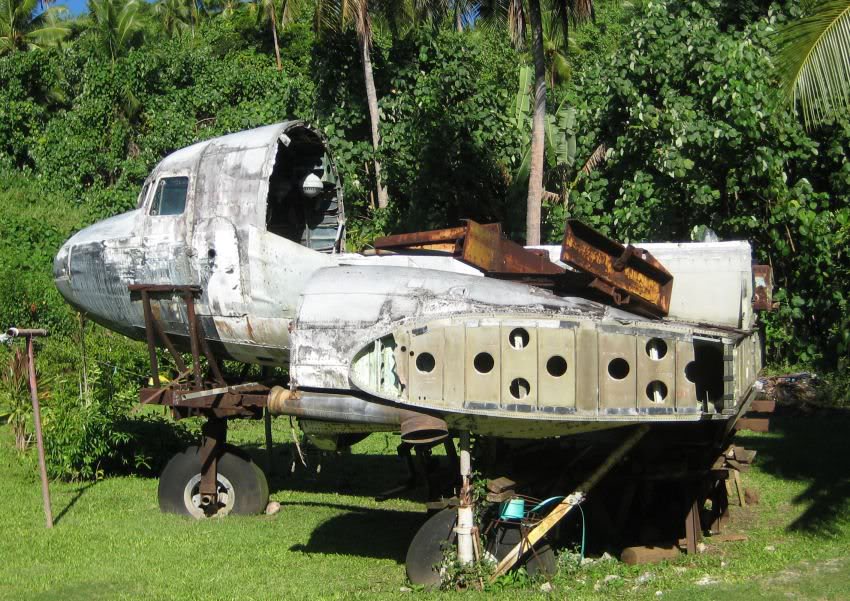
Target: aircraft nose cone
(62, 272)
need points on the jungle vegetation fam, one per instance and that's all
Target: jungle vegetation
(648, 119)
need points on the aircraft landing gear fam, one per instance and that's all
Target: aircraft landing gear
(241, 487)
(212, 479)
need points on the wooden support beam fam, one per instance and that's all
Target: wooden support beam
(568, 504)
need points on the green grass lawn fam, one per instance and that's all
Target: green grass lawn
(111, 541)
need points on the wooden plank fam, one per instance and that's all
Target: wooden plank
(753, 424)
(763, 406)
(497, 485)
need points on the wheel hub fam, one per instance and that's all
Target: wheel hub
(200, 506)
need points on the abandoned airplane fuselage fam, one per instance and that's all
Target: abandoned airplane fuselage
(255, 220)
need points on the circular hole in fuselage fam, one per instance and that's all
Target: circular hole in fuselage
(518, 338)
(656, 391)
(556, 366)
(656, 348)
(425, 363)
(520, 388)
(483, 363)
(691, 372)
(618, 368)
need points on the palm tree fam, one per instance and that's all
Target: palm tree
(279, 13)
(814, 60)
(177, 16)
(336, 15)
(22, 29)
(173, 15)
(115, 24)
(517, 17)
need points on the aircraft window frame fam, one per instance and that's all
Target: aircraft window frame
(160, 182)
(143, 195)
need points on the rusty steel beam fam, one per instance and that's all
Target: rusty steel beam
(485, 248)
(627, 273)
(763, 288)
(421, 240)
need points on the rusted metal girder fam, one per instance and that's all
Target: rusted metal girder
(763, 285)
(602, 269)
(445, 240)
(627, 274)
(480, 245)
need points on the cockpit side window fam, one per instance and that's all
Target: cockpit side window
(170, 197)
(143, 195)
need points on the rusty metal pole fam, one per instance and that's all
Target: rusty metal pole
(36, 411)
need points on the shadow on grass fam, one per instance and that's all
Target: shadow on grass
(77, 494)
(356, 474)
(811, 449)
(363, 532)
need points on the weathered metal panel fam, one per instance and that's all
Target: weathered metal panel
(587, 363)
(686, 391)
(617, 386)
(454, 374)
(654, 368)
(483, 384)
(519, 366)
(426, 365)
(556, 390)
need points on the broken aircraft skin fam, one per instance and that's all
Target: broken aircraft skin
(411, 340)
(415, 332)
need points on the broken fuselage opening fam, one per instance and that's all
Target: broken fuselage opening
(303, 202)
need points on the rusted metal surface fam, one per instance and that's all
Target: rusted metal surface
(444, 239)
(29, 334)
(484, 247)
(763, 284)
(629, 272)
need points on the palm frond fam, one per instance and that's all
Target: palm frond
(813, 56)
(597, 157)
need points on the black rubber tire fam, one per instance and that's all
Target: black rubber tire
(539, 562)
(249, 484)
(426, 548)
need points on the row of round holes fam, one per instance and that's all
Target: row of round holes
(556, 366)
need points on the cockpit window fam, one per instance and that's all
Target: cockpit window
(170, 198)
(143, 195)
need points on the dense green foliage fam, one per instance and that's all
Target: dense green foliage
(698, 136)
(681, 94)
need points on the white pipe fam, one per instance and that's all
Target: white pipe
(465, 518)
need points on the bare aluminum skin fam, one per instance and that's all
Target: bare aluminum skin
(273, 301)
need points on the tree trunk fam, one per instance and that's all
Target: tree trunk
(372, 99)
(535, 179)
(274, 35)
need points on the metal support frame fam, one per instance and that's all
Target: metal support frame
(36, 414)
(214, 436)
(191, 394)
